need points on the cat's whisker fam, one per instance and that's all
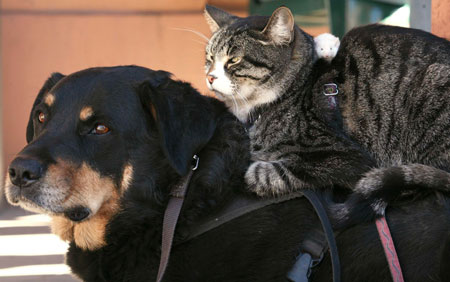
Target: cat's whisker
(199, 42)
(193, 31)
(235, 103)
(246, 103)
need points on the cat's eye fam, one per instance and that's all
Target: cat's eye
(233, 61)
(209, 58)
(99, 129)
(41, 117)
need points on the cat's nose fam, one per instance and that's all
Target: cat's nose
(211, 78)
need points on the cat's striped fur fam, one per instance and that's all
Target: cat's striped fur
(393, 112)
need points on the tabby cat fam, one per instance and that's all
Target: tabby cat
(388, 128)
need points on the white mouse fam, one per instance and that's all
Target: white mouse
(326, 46)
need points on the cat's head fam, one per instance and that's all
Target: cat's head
(251, 61)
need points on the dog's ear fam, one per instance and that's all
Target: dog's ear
(51, 81)
(185, 120)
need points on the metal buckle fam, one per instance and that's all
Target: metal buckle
(197, 160)
(330, 89)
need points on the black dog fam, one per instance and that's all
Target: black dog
(105, 145)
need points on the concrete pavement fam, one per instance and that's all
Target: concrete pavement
(28, 250)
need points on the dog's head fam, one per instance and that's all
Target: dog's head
(93, 134)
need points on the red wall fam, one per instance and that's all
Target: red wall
(43, 36)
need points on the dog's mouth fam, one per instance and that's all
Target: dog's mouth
(28, 198)
(77, 214)
(37, 204)
(42, 199)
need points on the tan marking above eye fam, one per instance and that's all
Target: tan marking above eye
(49, 99)
(86, 113)
(41, 117)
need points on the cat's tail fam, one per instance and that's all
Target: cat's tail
(382, 186)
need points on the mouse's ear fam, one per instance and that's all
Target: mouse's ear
(184, 118)
(48, 85)
(336, 42)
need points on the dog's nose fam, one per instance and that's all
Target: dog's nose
(211, 78)
(23, 171)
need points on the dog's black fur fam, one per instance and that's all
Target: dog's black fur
(157, 124)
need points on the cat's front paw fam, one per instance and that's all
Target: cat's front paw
(266, 179)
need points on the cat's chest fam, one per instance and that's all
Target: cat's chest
(274, 125)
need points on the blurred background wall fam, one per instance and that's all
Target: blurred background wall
(39, 37)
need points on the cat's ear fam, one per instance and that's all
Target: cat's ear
(216, 18)
(280, 28)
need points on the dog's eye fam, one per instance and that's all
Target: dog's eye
(100, 129)
(41, 117)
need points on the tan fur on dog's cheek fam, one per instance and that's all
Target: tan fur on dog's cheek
(127, 177)
(62, 227)
(81, 185)
(90, 234)
(90, 189)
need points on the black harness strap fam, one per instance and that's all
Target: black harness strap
(299, 272)
(171, 215)
(239, 206)
(314, 249)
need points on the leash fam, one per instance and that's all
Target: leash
(330, 90)
(171, 216)
(389, 249)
